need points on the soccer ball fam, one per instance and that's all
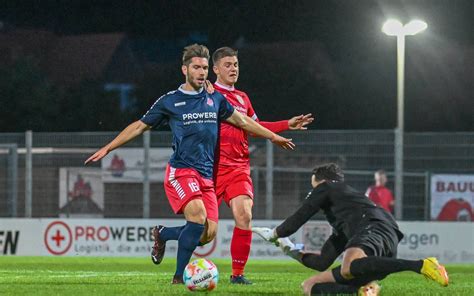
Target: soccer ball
(201, 275)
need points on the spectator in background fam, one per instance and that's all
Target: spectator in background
(379, 194)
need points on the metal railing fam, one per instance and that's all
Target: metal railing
(31, 183)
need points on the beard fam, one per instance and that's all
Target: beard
(193, 82)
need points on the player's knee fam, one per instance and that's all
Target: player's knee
(346, 272)
(197, 217)
(306, 288)
(201, 219)
(196, 214)
(243, 219)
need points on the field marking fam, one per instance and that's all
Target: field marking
(18, 274)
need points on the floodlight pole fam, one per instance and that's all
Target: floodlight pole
(395, 28)
(146, 174)
(399, 133)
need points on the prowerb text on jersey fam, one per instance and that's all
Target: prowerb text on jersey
(200, 115)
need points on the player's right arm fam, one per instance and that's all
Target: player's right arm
(132, 131)
(154, 116)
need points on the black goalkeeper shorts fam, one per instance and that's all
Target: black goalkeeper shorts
(376, 238)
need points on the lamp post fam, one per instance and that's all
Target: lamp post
(395, 28)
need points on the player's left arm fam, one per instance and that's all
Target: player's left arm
(310, 207)
(313, 202)
(299, 122)
(295, 123)
(251, 126)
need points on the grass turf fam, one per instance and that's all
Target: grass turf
(138, 276)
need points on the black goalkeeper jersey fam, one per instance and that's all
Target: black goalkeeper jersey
(345, 209)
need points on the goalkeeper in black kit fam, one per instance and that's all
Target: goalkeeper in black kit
(366, 234)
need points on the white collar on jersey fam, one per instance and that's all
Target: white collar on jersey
(189, 92)
(229, 88)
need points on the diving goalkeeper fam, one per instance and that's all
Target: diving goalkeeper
(368, 235)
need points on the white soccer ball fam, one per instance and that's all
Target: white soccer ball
(201, 275)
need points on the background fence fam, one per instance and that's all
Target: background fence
(281, 177)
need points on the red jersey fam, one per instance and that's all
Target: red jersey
(381, 196)
(233, 141)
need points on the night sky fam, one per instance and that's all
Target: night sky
(362, 57)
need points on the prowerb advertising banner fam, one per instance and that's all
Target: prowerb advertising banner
(450, 242)
(452, 197)
(110, 237)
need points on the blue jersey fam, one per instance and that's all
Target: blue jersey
(194, 120)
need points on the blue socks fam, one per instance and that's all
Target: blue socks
(171, 233)
(188, 241)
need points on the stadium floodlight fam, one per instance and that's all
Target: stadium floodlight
(394, 27)
(414, 27)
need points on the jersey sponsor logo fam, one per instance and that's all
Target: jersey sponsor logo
(179, 104)
(200, 115)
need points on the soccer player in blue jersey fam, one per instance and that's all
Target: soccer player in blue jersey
(194, 116)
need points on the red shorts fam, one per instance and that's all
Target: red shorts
(186, 184)
(232, 182)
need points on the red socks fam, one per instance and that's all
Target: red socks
(240, 249)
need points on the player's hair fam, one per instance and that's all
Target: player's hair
(328, 172)
(194, 51)
(222, 53)
(381, 172)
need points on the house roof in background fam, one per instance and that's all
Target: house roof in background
(66, 59)
(73, 58)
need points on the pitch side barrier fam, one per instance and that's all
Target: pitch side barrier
(451, 242)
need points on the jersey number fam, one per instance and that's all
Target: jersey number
(193, 186)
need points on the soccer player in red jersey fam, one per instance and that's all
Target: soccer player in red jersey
(232, 178)
(379, 194)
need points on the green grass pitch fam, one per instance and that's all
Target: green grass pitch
(138, 276)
